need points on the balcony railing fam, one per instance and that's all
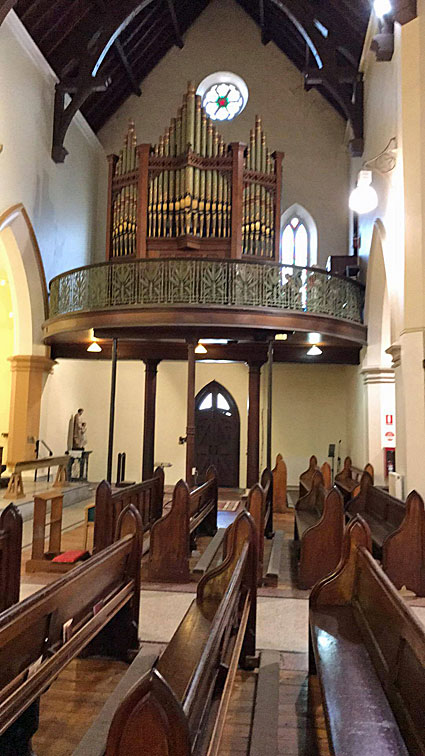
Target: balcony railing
(222, 283)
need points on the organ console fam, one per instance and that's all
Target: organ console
(192, 195)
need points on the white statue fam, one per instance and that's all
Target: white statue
(79, 431)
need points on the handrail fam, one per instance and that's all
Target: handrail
(200, 282)
(37, 449)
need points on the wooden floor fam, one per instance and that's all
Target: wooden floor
(76, 697)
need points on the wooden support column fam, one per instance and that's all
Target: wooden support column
(238, 150)
(112, 410)
(253, 454)
(190, 427)
(269, 403)
(149, 418)
(143, 151)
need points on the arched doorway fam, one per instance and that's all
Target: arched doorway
(217, 434)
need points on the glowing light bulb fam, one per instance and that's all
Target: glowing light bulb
(382, 7)
(10, 314)
(313, 338)
(200, 349)
(281, 337)
(363, 199)
(2, 282)
(94, 347)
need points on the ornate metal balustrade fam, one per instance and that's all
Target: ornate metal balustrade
(225, 283)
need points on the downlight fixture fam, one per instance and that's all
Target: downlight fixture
(281, 337)
(314, 351)
(94, 347)
(200, 349)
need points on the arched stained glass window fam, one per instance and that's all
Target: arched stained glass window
(299, 237)
(295, 243)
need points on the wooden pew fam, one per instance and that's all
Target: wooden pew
(260, 506)
(10, 556)
(180, 706)
(397, 530)
(146, 497)
(368, 650)
(94, 608)
(170, 540)
(306, 478)
(15, 489)
(280, 486)
(319, 529)
(348, 479)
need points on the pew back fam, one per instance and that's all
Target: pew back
(394, 639)
(146, 497)
(306, 477)
(97, 603)
(10, 556)
(170, 535)
(170, 708)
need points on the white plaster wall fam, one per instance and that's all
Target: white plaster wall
(382, 121)
(311, 409)
(61, 200)
(302, 124)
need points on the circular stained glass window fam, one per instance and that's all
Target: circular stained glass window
(224, 95)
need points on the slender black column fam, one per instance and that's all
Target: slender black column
(269, 404)
(149, 419)
(112, 410)
(253, 451)
(190, 426)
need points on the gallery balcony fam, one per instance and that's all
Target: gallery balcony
(140, 298)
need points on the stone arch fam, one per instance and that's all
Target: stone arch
(377, 303)
(301, 212)
(22, 258)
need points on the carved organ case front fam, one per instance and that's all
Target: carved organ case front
(192, 195)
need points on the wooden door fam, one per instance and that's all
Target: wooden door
(217, 432)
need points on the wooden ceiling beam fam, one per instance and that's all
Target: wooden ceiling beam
(405, 10)
(174, 21)
(265, 36)
(324, 51)
(127, 68)
(102, 28)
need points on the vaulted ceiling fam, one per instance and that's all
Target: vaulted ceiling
(102, 50)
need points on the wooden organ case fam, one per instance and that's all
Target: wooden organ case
(191, 195)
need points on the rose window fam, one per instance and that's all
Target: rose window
(224, 95)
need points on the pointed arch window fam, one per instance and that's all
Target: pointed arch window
(299, 238)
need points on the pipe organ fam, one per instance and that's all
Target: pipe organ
(192, 195)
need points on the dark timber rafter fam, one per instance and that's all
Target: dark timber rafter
(179, 40)
(265, 36)
(127, 68)
(328, 73)
(5, 7)
(103, 26)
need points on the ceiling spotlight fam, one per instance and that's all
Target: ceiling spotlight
(94, 347)
(281, 337)
(200, 349)
(363, 199)
(314, 338)
(314, 351)
(382, 7)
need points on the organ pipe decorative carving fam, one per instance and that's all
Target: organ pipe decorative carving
(188, 196)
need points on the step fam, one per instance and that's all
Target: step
(73, 493)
